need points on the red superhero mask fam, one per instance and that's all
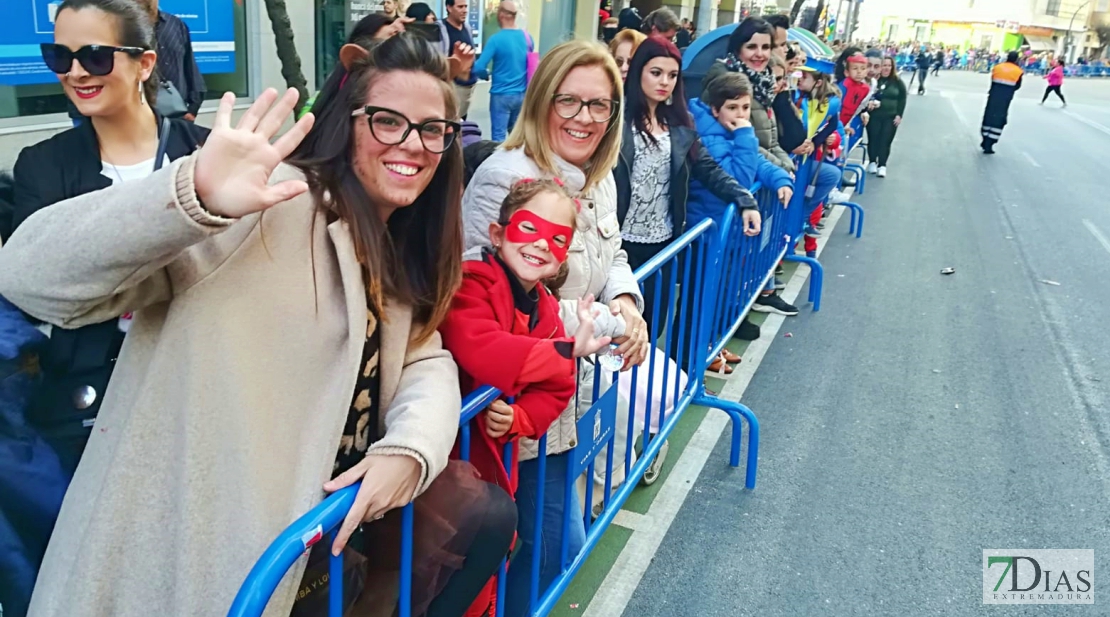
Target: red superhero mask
(525, 227)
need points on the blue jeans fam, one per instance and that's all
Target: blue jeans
(828, 176)
(518, 582)
(503, 110)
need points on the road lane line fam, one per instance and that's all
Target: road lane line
(1031, 160)
(1097, 234)
(1090, 123)
(624, 577)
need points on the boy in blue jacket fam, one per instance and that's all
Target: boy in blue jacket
(722, 116)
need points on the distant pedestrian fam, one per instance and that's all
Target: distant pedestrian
(458, 31)
(1005, 81)
(508, 51)
(923, 62)
(176, 63)
(1055, 79)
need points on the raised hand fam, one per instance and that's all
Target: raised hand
(461, 60)
(584, 341)
(233, 168)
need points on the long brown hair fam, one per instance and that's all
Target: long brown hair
(415, 258)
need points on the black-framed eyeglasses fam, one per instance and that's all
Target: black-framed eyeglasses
(98, 60)
(391, 127)
(569, 106)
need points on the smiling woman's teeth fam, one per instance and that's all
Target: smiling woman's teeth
(404, 170)
(577, 134)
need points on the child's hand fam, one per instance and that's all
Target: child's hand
(848, 130)
(584, 341)
(785, 193)
(499, 418)
(865, 118)
(740, 123)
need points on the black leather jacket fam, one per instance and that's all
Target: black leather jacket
(76, 364)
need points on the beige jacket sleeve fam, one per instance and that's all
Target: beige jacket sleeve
(95, 257)
(423, 418)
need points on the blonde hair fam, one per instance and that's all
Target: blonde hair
(531, 130)
(635, 37)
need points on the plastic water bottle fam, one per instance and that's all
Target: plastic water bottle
(609, 359)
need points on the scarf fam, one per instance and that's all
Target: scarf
(763, 83)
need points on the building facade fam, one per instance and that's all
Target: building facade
(1058, 26)
(234, 45)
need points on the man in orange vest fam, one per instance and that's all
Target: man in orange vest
(1005, 81)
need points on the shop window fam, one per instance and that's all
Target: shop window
(27, 88)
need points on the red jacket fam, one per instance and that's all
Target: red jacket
(854, 95)
(493, 345)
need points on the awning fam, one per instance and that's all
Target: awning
(1040, 43)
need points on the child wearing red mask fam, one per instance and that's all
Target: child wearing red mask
(504, 330)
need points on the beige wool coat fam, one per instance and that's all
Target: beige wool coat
(225, 411)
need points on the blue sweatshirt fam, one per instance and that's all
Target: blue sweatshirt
(508, 50)
(737, 152)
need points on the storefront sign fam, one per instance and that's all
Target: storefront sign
(1036, 31)
(26, 23)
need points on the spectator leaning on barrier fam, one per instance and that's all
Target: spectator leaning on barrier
(568, 129)
(721, 117)
(508, 51)
(119, 142)
(749, 52)
(458, 32)
(623, 46)
(658, 135)
(1005, 82)
(345, 351)
(505, 310)
(176, 63)
(890, 94)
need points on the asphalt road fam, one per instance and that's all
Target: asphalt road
(919, 418)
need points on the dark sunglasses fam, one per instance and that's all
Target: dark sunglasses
(98, 60)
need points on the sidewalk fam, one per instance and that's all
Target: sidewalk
(479, 107)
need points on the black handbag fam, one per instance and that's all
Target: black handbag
(170, 103)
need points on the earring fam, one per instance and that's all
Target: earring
(142, 94)
(670, 99)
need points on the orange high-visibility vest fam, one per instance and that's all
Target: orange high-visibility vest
(1006, 73)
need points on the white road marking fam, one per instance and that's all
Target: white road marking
(1031, 160)
(1097, 234)
(1090, 123)
(631, 520)
(624, 577)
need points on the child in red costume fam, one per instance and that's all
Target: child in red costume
(856, 91)
(505, 331)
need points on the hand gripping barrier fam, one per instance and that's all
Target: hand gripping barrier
(700, 287)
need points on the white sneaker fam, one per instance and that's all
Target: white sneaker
(872, 167)
(837, 196)
(882, 171)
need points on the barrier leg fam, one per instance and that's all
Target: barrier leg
(816, 278)
(856, 223)
(861, 176)
(738, 414)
